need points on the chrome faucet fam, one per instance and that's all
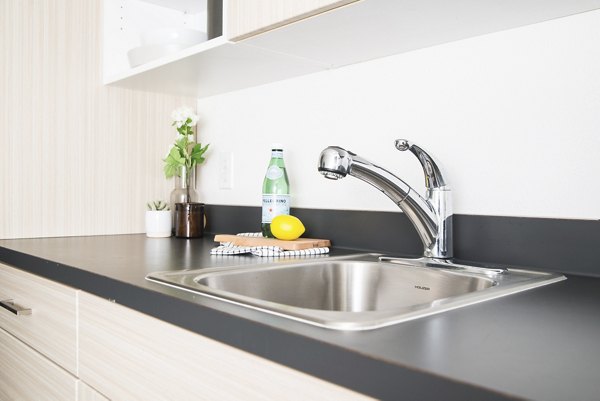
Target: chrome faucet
(431, 215)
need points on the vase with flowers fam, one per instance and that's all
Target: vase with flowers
(181, 161)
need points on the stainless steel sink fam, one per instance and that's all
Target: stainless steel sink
(357, 292)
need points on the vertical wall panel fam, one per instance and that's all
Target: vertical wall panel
(76, 157)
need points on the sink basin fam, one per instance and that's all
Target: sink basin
(356, 292)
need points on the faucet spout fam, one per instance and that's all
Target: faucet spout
(431, 215)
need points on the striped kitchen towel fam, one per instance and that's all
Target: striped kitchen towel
(225, 248)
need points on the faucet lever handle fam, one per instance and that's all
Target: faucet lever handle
(433, 174)
(402, 144)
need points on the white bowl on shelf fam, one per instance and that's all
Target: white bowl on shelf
(183, 36)
(161, 42)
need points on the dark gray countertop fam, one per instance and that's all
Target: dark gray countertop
(542, 344)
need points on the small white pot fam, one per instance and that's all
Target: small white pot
(158, 223)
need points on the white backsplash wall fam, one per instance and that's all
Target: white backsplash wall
(514, 117)
(76, 157)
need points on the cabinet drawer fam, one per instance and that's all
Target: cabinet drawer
(51, 328)
(26, 375)
(127, 355)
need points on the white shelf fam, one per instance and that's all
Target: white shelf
(189, 6)
(360, 31)
(214, 67)
(192, 51)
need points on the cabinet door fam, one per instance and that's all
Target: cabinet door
(246, 18)
(127, 355)
(26, 375)
(51, 328)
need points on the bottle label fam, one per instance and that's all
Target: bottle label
(277, 154)
(274, 172)
(274, 205)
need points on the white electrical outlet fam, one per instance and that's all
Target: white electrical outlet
(226, 170)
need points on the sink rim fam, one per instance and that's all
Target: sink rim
(513, 281)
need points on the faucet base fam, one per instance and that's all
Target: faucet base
(487, 270)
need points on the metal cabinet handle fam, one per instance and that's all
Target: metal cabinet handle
(12, 307)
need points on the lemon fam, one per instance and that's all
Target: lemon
(287, 227)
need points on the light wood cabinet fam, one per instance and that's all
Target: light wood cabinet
(51, 328)
(26, 375)
(131, 356)
(39, 340)
(247, 18)
(86, 393)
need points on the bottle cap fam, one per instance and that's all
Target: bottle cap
(276, 146)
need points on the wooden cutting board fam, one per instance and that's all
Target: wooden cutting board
(295, 245)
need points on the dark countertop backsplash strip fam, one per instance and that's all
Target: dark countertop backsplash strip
(560, 245)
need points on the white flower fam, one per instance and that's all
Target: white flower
(181, 115)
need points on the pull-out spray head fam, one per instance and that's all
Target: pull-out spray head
(335, 162)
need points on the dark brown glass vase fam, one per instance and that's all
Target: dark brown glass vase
(189, 220)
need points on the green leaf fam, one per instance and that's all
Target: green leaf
(176, 155)
(173, 162)
(184, 153)
(198, 152)
(170, 170)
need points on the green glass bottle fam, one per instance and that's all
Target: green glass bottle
(275, 190)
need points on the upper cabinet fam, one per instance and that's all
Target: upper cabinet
(247, 18)
(205, 47)
(141, 35)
